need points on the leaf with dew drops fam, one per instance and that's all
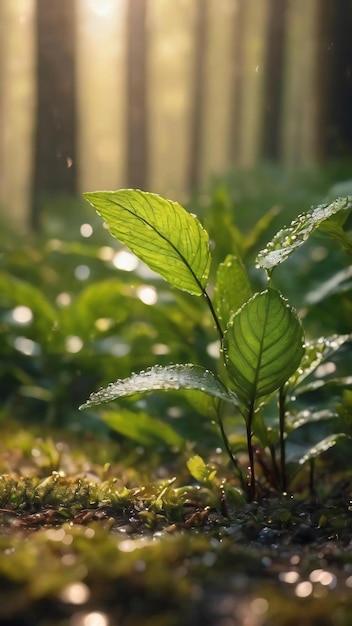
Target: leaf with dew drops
(160, 232)
(186, 376)
(290, 238)
(322, 446)
(316, 352)
(263, 345)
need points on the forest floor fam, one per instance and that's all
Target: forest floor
(80, 549)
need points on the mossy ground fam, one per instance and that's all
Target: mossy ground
(86, 543)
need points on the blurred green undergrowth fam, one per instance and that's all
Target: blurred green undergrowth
(69, 321)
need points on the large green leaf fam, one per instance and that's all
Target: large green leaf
(158, 377)
(160, 232)
(263, 345)
(232, 288)
(292, 237)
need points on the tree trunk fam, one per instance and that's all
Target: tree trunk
(137, 150)
(339, 49)
(217, 89)
(55, 149)
(273, 78)
(237, 80)
(196, 134)
(300, 111)
(17, 104)
(249, 72)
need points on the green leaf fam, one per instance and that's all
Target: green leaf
(263, 345)
(344, 408)
(218, 220)
(200, 470)
(252, 239)
(160, 232)
(334, 229)
(322, 446)
(232, 288)
(203, 403)
(316, 352)
(260, 429)
(292, 237)
(142, 428)
(16, 292)
(328, 384)
(105, 299)
(307, 416)
(338, 283)
(158, 377)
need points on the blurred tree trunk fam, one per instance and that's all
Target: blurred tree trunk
(273, 78)
(217, 88)
(55, 149)
(252, 101)
(250, 64)
(17, 105)
(101, 103)
(325, 79)
(337, 23)
(237, 79)
(137, 148)
(2, 104)
(301, 102)
(170, 83)
(196, 134)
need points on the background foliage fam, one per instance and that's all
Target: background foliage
(79, 311)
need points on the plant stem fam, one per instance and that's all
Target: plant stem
(231, 454)
(251, 470)
(312, 477)
(282, 410)
(275, 465)
(213, 313)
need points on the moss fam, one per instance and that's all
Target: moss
(175, 578)
(138, 551)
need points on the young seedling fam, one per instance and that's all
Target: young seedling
(261, 336)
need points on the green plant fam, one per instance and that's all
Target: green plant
(261, 335)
